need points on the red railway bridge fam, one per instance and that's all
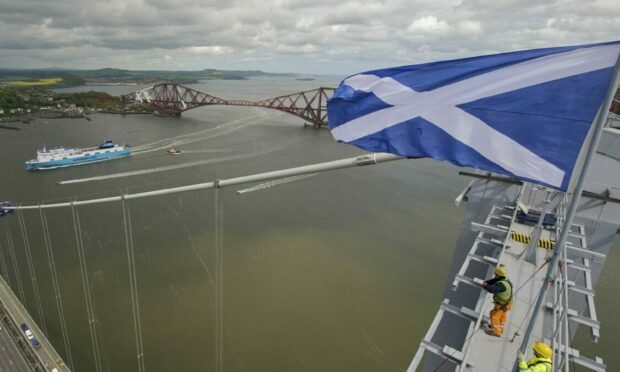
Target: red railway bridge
(173, 99)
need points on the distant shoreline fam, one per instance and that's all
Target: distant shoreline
(29, 118)
(9, 127)
(70, 78)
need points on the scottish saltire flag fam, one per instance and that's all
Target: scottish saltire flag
(523, 114)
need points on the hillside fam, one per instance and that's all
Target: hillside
(56, 78)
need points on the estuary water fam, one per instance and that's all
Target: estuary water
(333, 272)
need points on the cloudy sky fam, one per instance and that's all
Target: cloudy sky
(306, 36)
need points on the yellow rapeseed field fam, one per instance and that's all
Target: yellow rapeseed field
(47, 81)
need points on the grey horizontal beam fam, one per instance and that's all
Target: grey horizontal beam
(362, 160)
(493, 230)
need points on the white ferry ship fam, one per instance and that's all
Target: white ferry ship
(66, 157)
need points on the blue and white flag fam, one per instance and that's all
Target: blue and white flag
(524, 114)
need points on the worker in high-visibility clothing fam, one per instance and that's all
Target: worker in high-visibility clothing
(501, 288)
(541, 361)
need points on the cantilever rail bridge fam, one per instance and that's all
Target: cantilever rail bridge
(172, 99)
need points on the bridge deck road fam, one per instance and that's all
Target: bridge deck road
(11, 360)
(46, 354)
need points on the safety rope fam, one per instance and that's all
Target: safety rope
(54, 274)
(33, 276)
(86, 287)
(514, 336)
(133, 285)
(531, 277)
(15, 265)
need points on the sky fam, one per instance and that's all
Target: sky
(301, 36)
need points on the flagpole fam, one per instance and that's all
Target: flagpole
(560, 246)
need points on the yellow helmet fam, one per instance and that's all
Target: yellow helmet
(500, 271)
(542, 350)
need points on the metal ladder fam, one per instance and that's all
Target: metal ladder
(576, 258)
(492, 236)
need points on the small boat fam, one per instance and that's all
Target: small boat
(173, 151)
(66, 157)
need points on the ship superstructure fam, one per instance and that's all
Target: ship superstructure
(64, 157)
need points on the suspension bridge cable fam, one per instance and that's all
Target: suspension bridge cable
(133, 285)
(530, 277)
(362, 160)
(5, 271)
(514, 336)
(52, 264)
(219, 278)
(15, 265)
(33, 275)
(86, 287)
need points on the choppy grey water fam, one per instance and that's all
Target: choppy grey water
(334, 272)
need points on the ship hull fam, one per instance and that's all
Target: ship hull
(79, 160)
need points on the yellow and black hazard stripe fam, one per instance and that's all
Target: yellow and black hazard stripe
(520, 237)
(525, 239)
(547, 244)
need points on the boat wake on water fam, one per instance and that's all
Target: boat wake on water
(280, 181)
(153, 170)
(214, 151)
(202, 135)
(184, 139)
(174, 166)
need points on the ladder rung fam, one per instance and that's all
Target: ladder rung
(501, 216)
(489, 241)
(574, 316)
(483, 259)
(453, 355)
(579, 289)
(473, 282)
(493, 230)
(463, 311)
(579, 267)
(575, 355)
(584, 320)
(584, 252)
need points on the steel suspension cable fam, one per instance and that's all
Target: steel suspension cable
(531, 277)
(5, 271)
(133, 285)
(514, 336)
(15, 265)
(219, 278)
(86, 287)
(362, 160)
(33, 275)
(54, 274)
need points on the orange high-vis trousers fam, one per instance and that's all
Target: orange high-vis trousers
(497, 317)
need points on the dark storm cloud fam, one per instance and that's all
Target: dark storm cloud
(343, 36)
